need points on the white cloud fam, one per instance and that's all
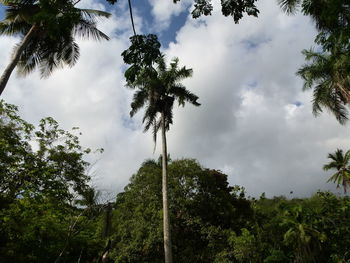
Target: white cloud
(248, 124)
(92, 96)
(164, 11)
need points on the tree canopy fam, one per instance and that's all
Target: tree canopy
(43, 172)
(202, 207)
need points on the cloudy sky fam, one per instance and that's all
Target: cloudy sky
(255, 123)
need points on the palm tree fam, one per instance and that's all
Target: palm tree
(157, 93)
(327, 72)
(301, 235)
(328, 15)
(340, 162)
(327, 75)
(47, 29)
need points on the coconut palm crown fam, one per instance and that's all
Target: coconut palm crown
(327, 74)
(47, 29)
(340, 162)
(157, 93)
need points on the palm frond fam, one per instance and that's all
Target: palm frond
(289, 6)
(183, 73)
(139, 100)
(183, 95)
(87, 29)
(347, 156)
(159, 91)
(92, 14)
(28, 62)
(161, 65)
(326, 74)
(149, 117)
(49, 62)
(9, 28)
(340, 162)
(156, 126)
(70, 53)
(17, 2)
(331, 101)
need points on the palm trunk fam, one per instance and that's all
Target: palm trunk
(17, 54)
(166, 220)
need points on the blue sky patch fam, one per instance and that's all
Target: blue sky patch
(255, 42)
(144, 9)
(252, 84)
(2, 12)
(297, 103)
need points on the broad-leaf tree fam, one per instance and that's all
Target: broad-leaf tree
(340, 162)
(157, 93)
(204, 208)
(43, 172)
(234, 8)
(47, 30)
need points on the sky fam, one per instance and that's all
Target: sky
(255, 123)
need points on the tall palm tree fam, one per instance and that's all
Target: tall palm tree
(157, 93)
(47, 29)
(339, 162)
(327, 74)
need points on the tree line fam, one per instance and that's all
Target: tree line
(50, 212)
(48, 29)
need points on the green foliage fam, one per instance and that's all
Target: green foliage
(234, 8)
(202, 207)
(43, 172)
(339, 162)
(38, 229)
(245, 246)
(327, 69)
(54, 24)
(304, 230)
(276, 256)
(48, 212)
(213, 222)
(157, 92)
(55, 168)
(141, 55)
(331, 18)
(326, 73)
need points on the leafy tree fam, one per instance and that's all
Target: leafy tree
(43, 172)
(340, 162)
(157, 92)
(204, 209)
(47, 29)
(141, 56)
(301, 235)
(303, 230)
(55, 168)
(234, 8)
